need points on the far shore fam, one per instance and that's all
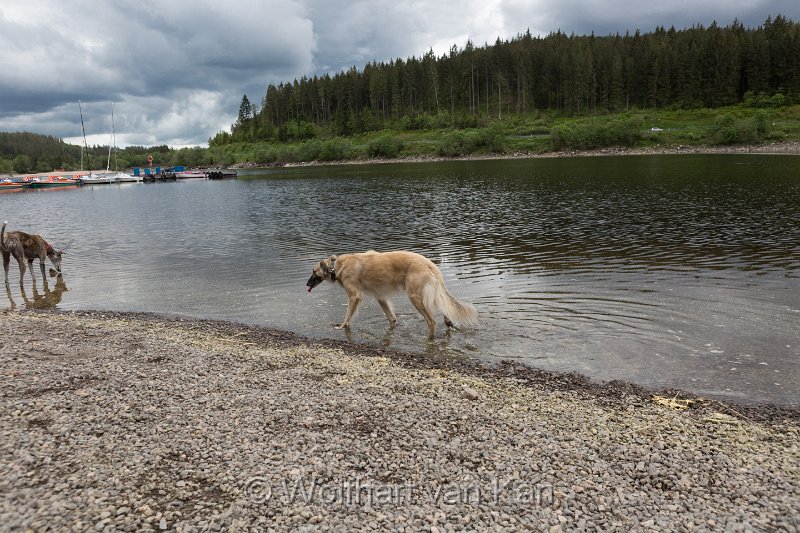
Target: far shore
(775, 148)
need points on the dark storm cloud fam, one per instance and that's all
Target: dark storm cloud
(152, 58)
(177, 69)
(604, 18)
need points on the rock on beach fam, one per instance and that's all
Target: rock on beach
(131, 422)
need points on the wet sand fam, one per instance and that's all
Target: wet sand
(122, 421)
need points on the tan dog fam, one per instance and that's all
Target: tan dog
(26, 247)
(383, 274)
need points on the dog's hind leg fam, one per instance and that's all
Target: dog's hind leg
(386, 305)
(6, 261)
(21, 262)
(419, 302)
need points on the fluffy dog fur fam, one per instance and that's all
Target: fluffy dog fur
(26, 247)
(383, 274)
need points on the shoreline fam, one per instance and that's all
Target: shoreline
(607, 392)
(133, 421)
(774, 148)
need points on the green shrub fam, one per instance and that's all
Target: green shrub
(284, 153)
(334, 150)
(586, 135)
(264, 155)
(728, 130)
(761, 123)
(455, 144)
(463, 121)
(763, 100)
(491, 139)
(308, 151)
(385, 146)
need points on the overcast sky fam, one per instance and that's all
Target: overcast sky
(176, 70)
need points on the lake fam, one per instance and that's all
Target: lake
(676, 270)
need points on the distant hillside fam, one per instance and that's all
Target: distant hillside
(23, 152)
(26, 152)
(571, 75)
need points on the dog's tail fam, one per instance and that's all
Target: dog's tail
(3, 237)
(438, 297)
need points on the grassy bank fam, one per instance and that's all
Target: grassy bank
(538, 133)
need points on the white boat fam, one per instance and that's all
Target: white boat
(191, 174)
(127, 178)
(97, 179)
(116, 176)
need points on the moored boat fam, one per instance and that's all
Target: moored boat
(190, 174)
(128, 178)
(221, 174)
(8, 185)
(95, 179)
(52, 182)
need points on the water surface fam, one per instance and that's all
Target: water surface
(679, 271)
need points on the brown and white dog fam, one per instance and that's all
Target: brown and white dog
(383, 274)
(26, 247)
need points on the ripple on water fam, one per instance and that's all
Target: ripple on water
(656, 270)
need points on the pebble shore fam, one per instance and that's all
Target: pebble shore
(132, 422)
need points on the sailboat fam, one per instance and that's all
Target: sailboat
(116, 176)
(91, 178)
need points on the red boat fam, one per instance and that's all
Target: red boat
(8, 185)
(51, 182)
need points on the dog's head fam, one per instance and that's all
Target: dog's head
(55, 256)
(322, 271)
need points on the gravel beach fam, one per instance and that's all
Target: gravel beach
(133, 422)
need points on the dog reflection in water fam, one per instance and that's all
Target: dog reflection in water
(49, 298)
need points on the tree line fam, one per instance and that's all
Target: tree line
(568, 74)
(26, 152)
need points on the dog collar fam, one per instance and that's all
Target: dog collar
(49, 248)
(333, 270)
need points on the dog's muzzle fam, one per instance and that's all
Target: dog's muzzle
(313, 281)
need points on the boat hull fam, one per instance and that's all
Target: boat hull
(52, 184)
(191, 175)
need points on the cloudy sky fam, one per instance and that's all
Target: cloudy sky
(176, 70)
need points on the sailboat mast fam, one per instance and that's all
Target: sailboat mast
(86, 146)
(114, 137)
(108, 161)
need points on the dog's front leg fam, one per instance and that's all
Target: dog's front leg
(353, 299)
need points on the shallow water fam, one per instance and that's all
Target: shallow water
(679, 271)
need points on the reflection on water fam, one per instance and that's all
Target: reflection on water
(48, 298)
(671, 270)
